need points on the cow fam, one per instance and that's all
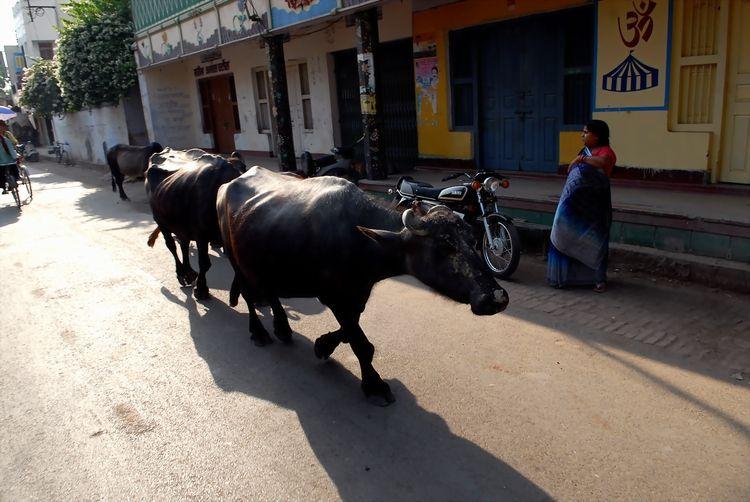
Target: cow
(127, 160)
(323, 237)
(181, 187)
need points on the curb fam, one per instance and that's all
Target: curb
(712, 272)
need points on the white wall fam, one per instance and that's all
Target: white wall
(44, 27)
(87, 130)
(172, 105)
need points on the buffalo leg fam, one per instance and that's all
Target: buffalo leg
(118, 178)
(281, 327)
(201, 288)
(169, 241)
(326, 344)
(375, 389)
(234, 291)
(258, 333)
(187, 271)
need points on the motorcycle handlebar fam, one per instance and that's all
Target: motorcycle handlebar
(453, 176)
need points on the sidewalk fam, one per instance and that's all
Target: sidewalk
(701, 236)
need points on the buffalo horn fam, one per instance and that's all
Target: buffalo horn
(413, 222)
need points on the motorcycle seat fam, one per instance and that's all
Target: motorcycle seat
(408, 186)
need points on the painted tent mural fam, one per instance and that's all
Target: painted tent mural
(632, 54)
(286, 12)
(200, 32)
(235, 22)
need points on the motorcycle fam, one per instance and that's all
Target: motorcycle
(339, 163)
(477, 202)
(28, 151)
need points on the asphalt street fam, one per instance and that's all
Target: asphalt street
(116, 384)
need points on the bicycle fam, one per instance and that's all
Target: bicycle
(61, 154)
(14, 186)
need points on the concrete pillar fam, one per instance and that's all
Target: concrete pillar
(367, 44)
(280, 100)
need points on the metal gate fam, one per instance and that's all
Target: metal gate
(396, 102)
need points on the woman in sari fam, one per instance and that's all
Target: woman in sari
(580, 231)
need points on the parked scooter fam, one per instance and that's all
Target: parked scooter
(28, 151)
(339, 163)
(477, 202)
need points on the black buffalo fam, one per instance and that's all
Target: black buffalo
(182, 187)
(323, 237)
(126, 160)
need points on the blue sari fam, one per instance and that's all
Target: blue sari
(580, 230)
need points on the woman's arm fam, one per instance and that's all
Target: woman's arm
(604, 162)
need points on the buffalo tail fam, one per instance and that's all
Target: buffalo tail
(152, 238)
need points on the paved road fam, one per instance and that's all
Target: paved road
(115, 384)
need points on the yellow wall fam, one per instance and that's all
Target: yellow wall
(640, 138)
(435, 137)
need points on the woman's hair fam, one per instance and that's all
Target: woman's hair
(600, 129)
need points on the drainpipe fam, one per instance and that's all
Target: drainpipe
(280, 98)
(367, 43)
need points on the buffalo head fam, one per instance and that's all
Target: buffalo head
(438, 250)
(235, 158)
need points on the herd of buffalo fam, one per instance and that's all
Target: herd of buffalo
(287, 236)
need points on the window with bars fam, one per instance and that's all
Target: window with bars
(698, 26)
(577, 68)
(46, 50)
(304, 85)
(204, 87)
(235, 106)
(462, 79)
(262, 101)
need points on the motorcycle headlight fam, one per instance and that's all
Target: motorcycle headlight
(492, 185)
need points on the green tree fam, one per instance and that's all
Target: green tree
(41, 91)
(96, 65)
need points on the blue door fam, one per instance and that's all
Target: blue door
(520, 83)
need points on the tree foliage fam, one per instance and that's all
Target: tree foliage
(96, 65)
(41, 91)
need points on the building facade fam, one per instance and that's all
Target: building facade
(498, 84)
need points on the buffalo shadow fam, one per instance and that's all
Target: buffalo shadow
(394, 453)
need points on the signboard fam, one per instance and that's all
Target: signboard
(286, 12)
(632, 55)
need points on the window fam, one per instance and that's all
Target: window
(235, 107)
(204, 86)
(462, 79)
(304, 85)
(577, 68)
(262, 101)
(46, 50)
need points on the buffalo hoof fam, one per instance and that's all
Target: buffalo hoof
(283, 332)
(233, 300)
(378, 393)
(124, 197)
(191, 275)
(324, 346)
(201, 293)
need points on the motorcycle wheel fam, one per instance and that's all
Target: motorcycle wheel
(503, 260)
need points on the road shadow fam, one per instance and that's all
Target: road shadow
(395, 453)
(9, 214)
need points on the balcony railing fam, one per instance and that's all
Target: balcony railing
(149, 12)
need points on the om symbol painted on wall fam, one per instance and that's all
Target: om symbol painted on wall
(639, 22)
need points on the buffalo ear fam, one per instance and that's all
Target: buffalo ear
(382, 237)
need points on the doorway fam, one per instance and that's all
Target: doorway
(220, 113)
(735, 152)
(518, 83)
(396, 103)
